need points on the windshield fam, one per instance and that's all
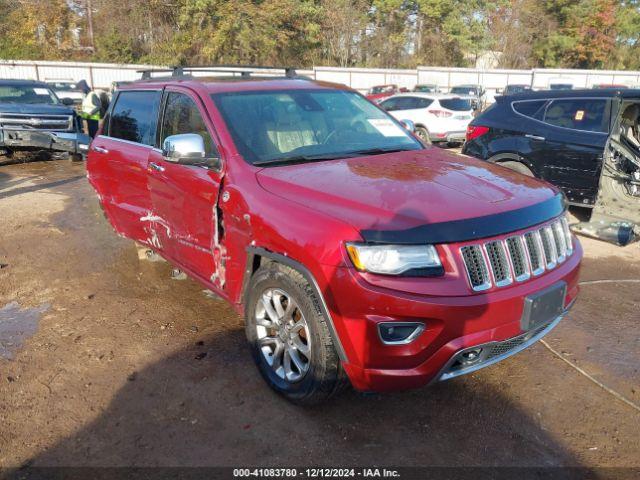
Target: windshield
(275, 126)
(425, 88)
(26, 94)
(63, 86)
(465, 90)
(517, 89)
(381, 89)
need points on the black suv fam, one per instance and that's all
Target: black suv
(34, 119)
(587, 142)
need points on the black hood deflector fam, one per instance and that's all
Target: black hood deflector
(471, 228)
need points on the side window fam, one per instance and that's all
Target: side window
(578, 113)
(530, 108)
(181, 115)
(390, 105)
(135, 116)
(423, 102)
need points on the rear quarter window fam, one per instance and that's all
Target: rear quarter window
(530, 108)
(135, 116)
(456, 104)
(589, 114)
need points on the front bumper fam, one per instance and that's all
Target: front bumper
(71, 142)
(452, 324)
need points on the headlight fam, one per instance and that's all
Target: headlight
(407, 260)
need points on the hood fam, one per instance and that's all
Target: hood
(35, 109)
(406, 190)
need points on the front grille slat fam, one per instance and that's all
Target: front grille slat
(549, 247)
(476, 266)
(516, 248)
(534, 249)
(560, 241)
(501, 262)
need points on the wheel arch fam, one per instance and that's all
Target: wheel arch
(512, 157)
(257, 256)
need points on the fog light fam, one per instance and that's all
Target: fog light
(397, 333)
(470, 356)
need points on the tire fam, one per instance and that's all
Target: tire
(423, 134)
(518, 167)
(313, 372)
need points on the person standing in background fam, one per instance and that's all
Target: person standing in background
(92, 111)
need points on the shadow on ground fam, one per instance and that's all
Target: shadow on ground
(206, 405)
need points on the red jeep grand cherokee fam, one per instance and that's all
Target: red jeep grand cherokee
(354, 252)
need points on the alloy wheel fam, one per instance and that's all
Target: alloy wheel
(283, 335)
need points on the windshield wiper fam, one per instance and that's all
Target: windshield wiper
(298, 159)
(332, 156)
(380, 151)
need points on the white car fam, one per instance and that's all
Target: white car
(67, 89)
(437, 117)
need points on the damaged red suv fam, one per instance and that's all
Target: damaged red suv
(356, 254)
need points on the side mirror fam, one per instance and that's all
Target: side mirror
(67, 101)
(409, 125)
(187, 149)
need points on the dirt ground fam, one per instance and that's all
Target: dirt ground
(119, 365)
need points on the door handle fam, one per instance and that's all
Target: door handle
(99, 149)
(535, 137)
(156, 167)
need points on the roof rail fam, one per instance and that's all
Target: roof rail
(243, 70)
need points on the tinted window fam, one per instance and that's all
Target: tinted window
(181, 115)
(134, 117)
(405, 103)
(578, 113)
(533, 109)
(456, 104)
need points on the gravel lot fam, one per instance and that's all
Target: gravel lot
(120, 365)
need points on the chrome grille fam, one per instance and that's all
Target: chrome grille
(518, 257)
(476, 265)
(560, 241)
(20, 121)
(534, 248)
(549, 247)
(499, 263)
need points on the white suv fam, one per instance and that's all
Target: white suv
(437, 117)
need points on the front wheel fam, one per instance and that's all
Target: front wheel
(289, 336)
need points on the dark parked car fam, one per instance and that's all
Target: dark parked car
(584, 141)
(34, 119)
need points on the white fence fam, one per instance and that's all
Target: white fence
(100, 75)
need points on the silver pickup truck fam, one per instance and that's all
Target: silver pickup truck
(34, 119)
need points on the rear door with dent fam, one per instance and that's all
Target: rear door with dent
(117, 160)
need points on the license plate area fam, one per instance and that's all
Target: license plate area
(544, 306)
